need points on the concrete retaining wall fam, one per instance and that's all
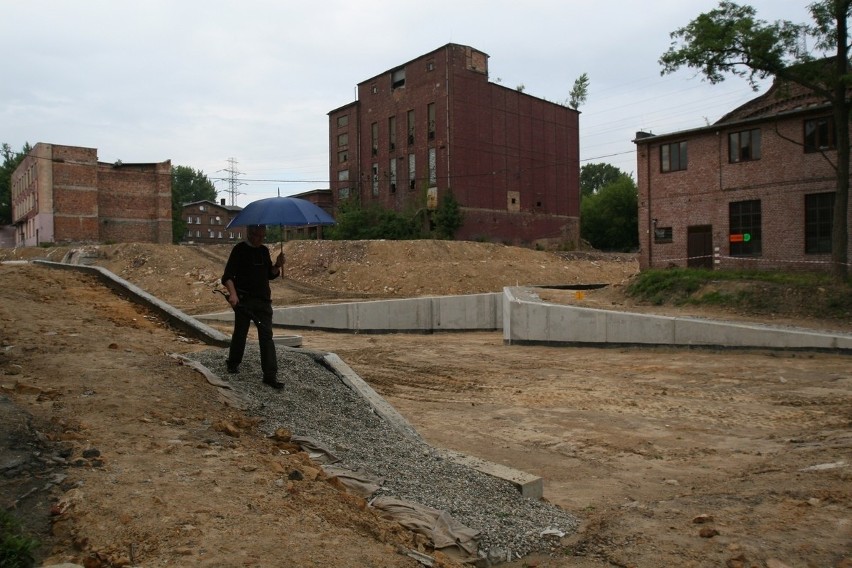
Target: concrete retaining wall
(525, 319)
(528, 320)
(422, 315)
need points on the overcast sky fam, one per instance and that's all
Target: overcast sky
(199, 82)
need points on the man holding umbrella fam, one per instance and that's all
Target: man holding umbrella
(247, 275)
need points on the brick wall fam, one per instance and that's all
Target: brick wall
(74, 198)
(489, 142)
(134, 202)
(701, 195)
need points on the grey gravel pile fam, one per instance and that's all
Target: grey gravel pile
(315, 403)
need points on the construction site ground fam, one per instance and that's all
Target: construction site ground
(116, 455)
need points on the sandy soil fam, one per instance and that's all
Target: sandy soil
(670, 457)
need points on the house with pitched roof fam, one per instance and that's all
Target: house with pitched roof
(754, 190)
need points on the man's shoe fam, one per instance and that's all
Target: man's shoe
(273, 382)
(233, 370)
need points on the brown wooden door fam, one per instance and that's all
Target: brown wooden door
(699, 246)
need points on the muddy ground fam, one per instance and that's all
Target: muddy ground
(120, 456)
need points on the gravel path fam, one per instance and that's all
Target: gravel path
(315, 403)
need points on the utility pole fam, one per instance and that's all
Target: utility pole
(233, 182)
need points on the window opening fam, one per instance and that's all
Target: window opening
(392, 133)
(744, 146)
(663, 234)
(819, 213)
(745, 232)
(398, 78)
(673, 157)
(819, 134)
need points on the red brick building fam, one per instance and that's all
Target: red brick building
(62, 194)
(754, 190)
(321, 198)
(206, 222)
(436, 124)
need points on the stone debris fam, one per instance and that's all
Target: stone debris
(317, 405)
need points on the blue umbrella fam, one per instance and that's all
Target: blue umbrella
(281, 211)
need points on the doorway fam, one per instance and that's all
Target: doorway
(699, 246)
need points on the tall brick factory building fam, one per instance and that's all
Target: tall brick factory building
(436, 125)
(62, 194)
(755, 190)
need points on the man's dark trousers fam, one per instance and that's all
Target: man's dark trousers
(261, 311)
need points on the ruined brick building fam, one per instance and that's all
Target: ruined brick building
(63, 194)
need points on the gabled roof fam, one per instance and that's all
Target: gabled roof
(781, 98)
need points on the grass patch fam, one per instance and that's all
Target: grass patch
(16, 548)
(811, 294)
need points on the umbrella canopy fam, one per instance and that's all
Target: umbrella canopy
(282, 211)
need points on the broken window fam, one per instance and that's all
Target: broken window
(663, 234)
(398, 78)
(819, 134)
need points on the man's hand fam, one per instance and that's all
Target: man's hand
(279, 262)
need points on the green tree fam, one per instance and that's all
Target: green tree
(609, 219)
(579, 92)
(730, 39)
(593, 177)
(11, 160)
(448, 217)
(188, 185)
(354, 222)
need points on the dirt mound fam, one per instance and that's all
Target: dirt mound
(317, 271)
